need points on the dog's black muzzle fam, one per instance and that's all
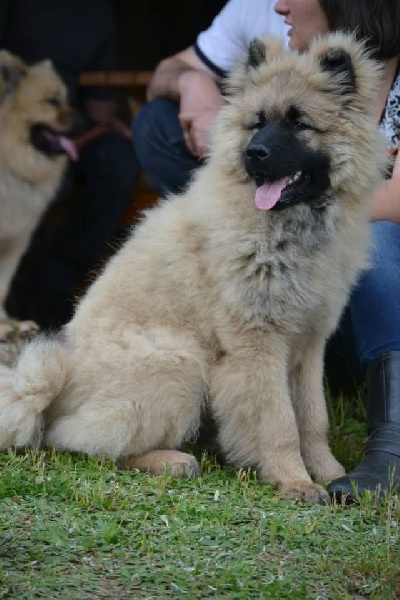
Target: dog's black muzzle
(266, 155)
(277, 151)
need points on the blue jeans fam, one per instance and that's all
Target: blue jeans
(160, 147)
(370, 325)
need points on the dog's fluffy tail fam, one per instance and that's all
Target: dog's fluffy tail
(28, 388)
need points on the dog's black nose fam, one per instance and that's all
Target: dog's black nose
(256, 157)
(257, 152)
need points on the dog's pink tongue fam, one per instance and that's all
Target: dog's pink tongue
(268, 194)
(69, 147)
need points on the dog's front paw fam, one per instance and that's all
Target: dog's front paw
(310, 493)
(331, 472)
(13, 336)
(12, 330)
(326, 468)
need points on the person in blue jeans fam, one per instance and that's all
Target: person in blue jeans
(171, 137)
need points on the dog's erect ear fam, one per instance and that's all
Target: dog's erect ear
(349, 69)
(338, 63)
(256, 54)
(12, 69)
(260, 52)
(43, 68)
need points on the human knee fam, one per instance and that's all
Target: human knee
(385, 242)
(150, 126)
(151, 117)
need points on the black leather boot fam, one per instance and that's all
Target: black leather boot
(380, 469)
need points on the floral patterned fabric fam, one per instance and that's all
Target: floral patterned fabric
(390, 122)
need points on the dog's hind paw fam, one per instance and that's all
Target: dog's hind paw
(158, 462)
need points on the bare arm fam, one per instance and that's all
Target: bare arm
(186, 79)
(386, 203)
(166, 79)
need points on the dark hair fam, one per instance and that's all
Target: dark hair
(375, 21)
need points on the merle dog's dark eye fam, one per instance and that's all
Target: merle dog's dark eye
(53, 101)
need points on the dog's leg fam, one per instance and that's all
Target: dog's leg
(148, 398)
(251, 402)
(309, 403)
(157, 462)
(10, 255)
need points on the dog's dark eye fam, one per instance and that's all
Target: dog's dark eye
(260, 122)
(294, 117)
(53, 101)
(300, 126)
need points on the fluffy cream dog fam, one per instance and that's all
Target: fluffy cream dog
(225, 294)
(34, 117)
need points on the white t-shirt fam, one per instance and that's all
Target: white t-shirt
(229, 35)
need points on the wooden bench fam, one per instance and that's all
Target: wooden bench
(135, 80)
(132, 83)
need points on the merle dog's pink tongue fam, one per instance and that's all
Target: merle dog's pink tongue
(268, 194)
(69, 147)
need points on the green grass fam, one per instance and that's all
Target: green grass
(75, 528)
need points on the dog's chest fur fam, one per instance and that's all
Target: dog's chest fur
(22, 203)
(275, 278)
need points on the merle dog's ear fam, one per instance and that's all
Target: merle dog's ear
(12, 69)
(9, 77)
(338, 62)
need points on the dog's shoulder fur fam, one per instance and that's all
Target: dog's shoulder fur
(278, 263)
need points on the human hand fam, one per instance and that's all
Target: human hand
(200, 101)
(386, 201)
(197, 130)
